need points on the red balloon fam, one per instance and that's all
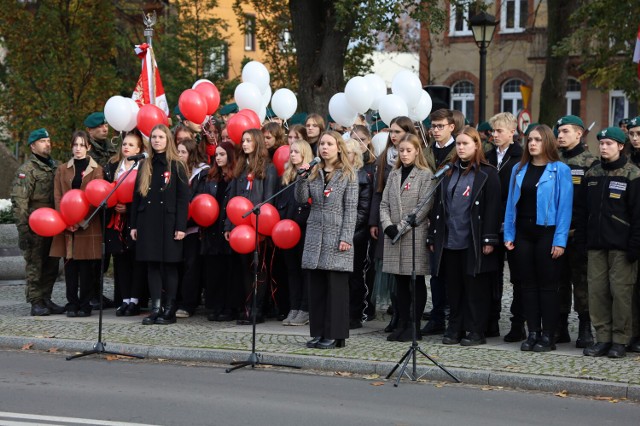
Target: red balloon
(148, 116)
(286, 234)
(74, 206)
(210, 93)
(46, 222)
(236, 126)
(252, 116)
(243, 239)
(280, 158)
(193, 106)
(269, 216)
(97, 190)
(204, 210)
(236, 208)
(124, 193)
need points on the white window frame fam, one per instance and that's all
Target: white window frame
(464, 98)
(571, 96)
(626, 107)
(512, 96)
(516, 18)
(250, 33)
(219, 60)
(466, 29)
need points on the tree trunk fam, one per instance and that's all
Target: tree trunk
(320, 49)
(554, 85)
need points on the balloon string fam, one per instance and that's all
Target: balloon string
(286, 125)
(425, 141)
(366, 146)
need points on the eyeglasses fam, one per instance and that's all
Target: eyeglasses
(438, 126)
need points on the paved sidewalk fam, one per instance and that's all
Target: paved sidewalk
(367, 351)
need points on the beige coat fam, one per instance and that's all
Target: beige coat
(398, 202)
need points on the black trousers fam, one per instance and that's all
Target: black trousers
(191, 283)
(538, 273)
(358, 288)
(497, 288)
(469, 296)
(221, 295)
(403, 298)
(329, 304)
(439, 299)
(129, 276)
(298, 279)
(80, 275)
(163, 277)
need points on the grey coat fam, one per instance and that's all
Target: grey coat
(332, 219)
(398, 202)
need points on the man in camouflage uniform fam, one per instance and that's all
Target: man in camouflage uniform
(32, 189)
(574, 263)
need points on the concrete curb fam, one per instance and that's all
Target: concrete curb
(551, 384)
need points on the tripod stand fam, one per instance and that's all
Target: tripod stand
(256, 358)
(99, 346)
(412, 352)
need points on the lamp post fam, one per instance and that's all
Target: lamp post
(483, 26)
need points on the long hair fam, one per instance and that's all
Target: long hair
(416, 142)
(277, 132)
(406, 124)
(146, 168)
(342, 162)
(321, 124)
(299, 129)
(478, 158)
(354, 146)
(359, 128)
(195, 157)
(142, 145)
(549, 146)
(290, 171)
(182, 128)
(225, 173)
(257, 161)
(82, 135)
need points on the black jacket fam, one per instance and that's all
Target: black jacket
(118, 229)
(257, 192)
(365, 192)
(485, 222)
(212, 241)
(510, 159)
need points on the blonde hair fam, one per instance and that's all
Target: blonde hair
(505, 119)
(354, 146)
(420, 161)
(146, 168)
(341, 162)
(290, 172)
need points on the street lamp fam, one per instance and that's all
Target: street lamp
(483, 26)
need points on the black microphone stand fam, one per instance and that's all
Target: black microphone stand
(412, 352)
(98, 347)
(256, 358)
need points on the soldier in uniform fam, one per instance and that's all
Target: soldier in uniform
(32, 189)
(101, 148)
(574, 264)
(634, 137)
(608, 225)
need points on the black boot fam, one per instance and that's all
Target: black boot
(517, 332)
(399, 330)
(562, 329)
(156, 311)
(545, 343)
(585, 338)
(531, 341)
(169, 314)
(393, 324)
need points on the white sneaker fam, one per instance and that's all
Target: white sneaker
(181, 313)
(301, 319)
(289, 318)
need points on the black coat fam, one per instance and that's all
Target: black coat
(510, 159)
(365, 192)
(118, 230)
(260, 190)
(212, 238)
(161, 212)
(485, 222)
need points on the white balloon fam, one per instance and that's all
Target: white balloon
(133, 117)
(266, 96)
(359, 94)
(284, 103)
(117, 112)
(379, 142)
(202, 80)
(392, 106)
(248, 96)
(341, 111)
(407, 85)
(422, 108)
(378, 87)
(262, 114)
(255, 72)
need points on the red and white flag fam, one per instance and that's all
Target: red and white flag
(636, 53)
(149, 89)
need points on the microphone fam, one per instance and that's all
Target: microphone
(440, 172)
(138, 157)
(312, 164)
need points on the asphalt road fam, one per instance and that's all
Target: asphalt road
(96, 390)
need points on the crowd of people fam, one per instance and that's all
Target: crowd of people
(448, 202)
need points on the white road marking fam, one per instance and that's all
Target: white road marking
(31, 419)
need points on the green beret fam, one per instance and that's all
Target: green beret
(37, 135)
(270, 113)
(178, 113)
(298, 118)
(95, 119)
(484, 127)
(426, 123)
(375, 116)
(530, 127)
(634, 122)
(570, 119)
(228, 109)
(613, 133)
(378, 125)
(623, 121)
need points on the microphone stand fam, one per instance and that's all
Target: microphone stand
(412, 352)
(255, 359)
(98, 347)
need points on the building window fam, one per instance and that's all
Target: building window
(573, 97)
(219, 62)
(249, 33)
(463, 98)
(510, 96)
(285, 44)
(620, 107)
(459, 18)
(514, 15)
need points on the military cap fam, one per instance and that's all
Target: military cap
(378, 125)
(484, 127)
(270, 113)
(613, 133)
(95, 119)
(427, 123)
(228, 109)
(37, 135)
(298, 118)
(178, 113)
(530, 127)
(624, 121)
(570, 119)
(634, 122)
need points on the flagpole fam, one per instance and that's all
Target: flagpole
(150, 20)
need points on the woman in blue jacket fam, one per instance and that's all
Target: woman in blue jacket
(536, 226)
